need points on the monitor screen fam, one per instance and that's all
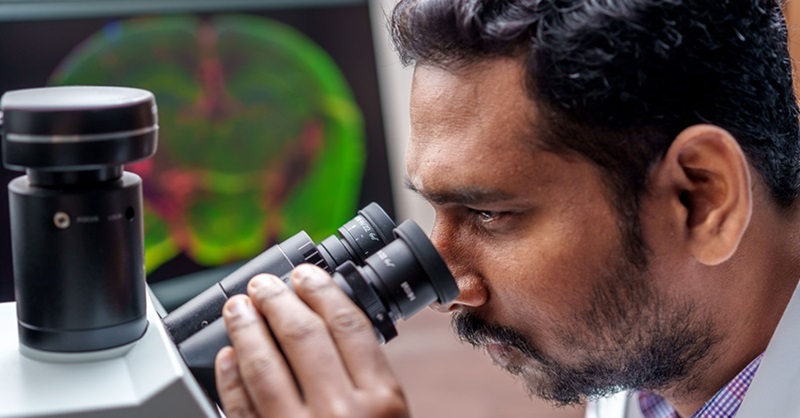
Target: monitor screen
(269, 116)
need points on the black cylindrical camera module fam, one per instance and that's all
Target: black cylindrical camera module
(76, 217)
(359, 238)
(395, 282)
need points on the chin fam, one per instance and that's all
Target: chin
(538, 385)
(557, 385)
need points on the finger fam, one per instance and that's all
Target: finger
(304, 339)
(263, 370)
(352, 331)
(235, 400)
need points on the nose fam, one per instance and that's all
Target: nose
(463, 261)
(472, 294)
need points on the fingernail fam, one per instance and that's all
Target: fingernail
(225, 360)
(237, 307)
(309, 275)
(257, 281)
(263, 281)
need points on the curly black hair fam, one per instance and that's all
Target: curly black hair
(620, 79)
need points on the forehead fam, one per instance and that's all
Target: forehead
(473, 122)
(487, 95)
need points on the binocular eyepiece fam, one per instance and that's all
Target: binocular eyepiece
(392, 284)
(357, 239)
(402, 273)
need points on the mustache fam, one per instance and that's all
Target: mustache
(472, 329)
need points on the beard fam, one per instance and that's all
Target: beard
(629, 338)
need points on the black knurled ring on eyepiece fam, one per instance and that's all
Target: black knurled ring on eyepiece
(368, 299)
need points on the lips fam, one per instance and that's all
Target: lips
(503, 355)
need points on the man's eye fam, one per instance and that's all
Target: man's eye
(485, 215)
(491, 221)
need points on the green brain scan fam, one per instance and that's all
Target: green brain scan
(259, 138)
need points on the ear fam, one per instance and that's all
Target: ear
(707, 180)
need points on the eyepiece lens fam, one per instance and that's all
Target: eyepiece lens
(438, 275)
(400, 279)
(407, 275)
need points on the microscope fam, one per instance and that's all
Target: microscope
(85, 336)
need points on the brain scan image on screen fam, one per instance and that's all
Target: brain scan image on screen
(260, 136)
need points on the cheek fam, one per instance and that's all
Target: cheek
(548, 273)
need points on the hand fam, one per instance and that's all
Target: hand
(329, 363)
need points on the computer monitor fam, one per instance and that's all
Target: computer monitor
(270, 119)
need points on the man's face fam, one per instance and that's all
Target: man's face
(536, 247)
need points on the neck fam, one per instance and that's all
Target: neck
(746, 297)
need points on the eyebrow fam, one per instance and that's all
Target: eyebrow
(463, 195)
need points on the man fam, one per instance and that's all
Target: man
(615, 189)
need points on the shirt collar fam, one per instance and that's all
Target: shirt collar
(723, 405)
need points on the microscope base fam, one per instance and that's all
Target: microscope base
(149, 380)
